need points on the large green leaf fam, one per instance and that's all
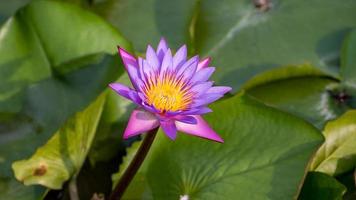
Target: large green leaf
(71, 37)
(310, 98)
(348, 59)
(319, 186)
(245, 41)
(31, 51)
(282, 73)
(338, 154)
(144, 22)
(48, 104)
(264, 157)
(64, 154)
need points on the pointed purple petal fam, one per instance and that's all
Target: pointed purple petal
(166, 63)
(148, 71)
(206, 99)
(188, 69)
(202, 75)
(186, 119)
(141, 95)
(172, 113)
(193, 61)
(161, 49)
(152, 58)
(203, 63)
(197, 111)
(140, 69)
(219, 90)
(201, 88)
(122, 90)
(200, 129)
(140, 121)
(145, 70)
(127, 58)
(149, 108)
(139, 84)
(180, 57)
(169, 128)
(126, 92)
(189, 72)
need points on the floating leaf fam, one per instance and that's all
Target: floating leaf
(282, 73)
(41, 115)
(251, 41)
(255, 162)
(307, 97)
(64, 154)
(147, 21)
(338, 154)
(31, 51)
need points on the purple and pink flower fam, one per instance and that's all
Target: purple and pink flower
(170, 91)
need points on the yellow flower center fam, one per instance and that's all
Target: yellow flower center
(167, 94)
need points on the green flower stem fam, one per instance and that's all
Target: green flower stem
(135, 164)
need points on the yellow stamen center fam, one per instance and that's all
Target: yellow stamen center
(167, 94)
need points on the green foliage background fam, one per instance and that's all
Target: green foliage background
(291, 64)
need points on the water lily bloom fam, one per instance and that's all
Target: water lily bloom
(170, 91)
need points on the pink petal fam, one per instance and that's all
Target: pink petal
(200, 129)
(130, 64)
(203, 63)
(140, 122)
(127, 58)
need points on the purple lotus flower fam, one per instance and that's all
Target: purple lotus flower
(170, 91)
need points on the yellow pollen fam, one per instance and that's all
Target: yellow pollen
(167, 95)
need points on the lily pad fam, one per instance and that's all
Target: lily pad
(338, 154)
(255, 162)
(251, 40)
(64, 154)
(144, 22)
(310, 98)
(33, 52)
(48, 104)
